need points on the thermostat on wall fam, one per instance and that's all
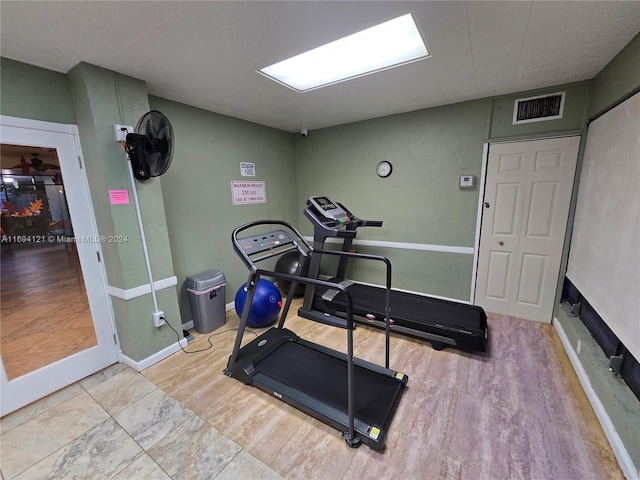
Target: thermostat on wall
(467, 181)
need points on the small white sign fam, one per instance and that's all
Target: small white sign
(244, 193)
(247, 169)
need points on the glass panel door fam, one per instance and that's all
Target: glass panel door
(56, 322)
(44, 310)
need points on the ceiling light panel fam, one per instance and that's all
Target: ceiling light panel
(383, 46)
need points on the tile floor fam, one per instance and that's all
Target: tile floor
(118, 425)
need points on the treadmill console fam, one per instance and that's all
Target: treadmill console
(330, 210)
(265, 241)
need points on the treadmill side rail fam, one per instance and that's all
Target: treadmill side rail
(301, 393)
(442, 322)
(352, 395)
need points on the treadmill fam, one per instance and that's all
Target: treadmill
(444, 323)
(352, 395)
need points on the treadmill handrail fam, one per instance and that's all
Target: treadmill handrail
(299, 279)
(361, 255)
(254, 276)
(333, 228)
(370, 223)
(357, 222)
(387, 307)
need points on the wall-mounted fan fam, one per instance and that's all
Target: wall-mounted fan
(149, 151)
(150, 148)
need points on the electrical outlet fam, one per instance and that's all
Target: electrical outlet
(121, 132)
(158, 319)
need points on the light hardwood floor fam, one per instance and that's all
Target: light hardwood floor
(517, 411)
(44, 312)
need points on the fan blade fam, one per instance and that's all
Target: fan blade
(156, 152)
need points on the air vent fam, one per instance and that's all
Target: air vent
(538, 109)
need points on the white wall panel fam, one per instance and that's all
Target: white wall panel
(604, 259)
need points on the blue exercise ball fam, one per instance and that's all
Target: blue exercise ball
(265, 306)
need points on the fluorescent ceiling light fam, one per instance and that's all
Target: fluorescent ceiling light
(387, 45)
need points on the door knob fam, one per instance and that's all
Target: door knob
(486, 205)
(501, 243)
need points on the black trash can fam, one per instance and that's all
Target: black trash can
(206, 299)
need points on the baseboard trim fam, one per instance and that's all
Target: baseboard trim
(153, 359)
(619, 450)
(188, 325)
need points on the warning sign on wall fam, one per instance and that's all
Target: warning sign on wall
(247, 169)
(248, 192)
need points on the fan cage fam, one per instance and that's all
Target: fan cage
(150, 148)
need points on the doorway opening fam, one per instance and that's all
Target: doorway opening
(44, 314)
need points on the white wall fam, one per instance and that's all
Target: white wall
(604, 259)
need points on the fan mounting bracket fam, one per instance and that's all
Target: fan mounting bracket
(121, 132)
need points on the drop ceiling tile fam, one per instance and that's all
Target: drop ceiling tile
(497, 30)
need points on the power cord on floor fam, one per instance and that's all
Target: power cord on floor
(208, 338)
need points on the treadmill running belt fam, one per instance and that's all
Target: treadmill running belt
(413, 308)
(324, 378)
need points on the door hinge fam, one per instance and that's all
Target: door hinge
(80, 162)
(115, 341)
(98, 255)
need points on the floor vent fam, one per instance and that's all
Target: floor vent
(538, 109)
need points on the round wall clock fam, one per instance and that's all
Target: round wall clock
(384, 169)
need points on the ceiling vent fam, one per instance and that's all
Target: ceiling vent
(538, 109)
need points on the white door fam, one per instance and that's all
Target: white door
(23, 388)
(526, 206)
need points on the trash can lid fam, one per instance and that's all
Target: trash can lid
(205, 280)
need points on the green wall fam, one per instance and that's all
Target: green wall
(572, 121)
(95, 99)
(197, 189)
(102, 98)
(617, 81)
(419, 203)
(35, 93)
